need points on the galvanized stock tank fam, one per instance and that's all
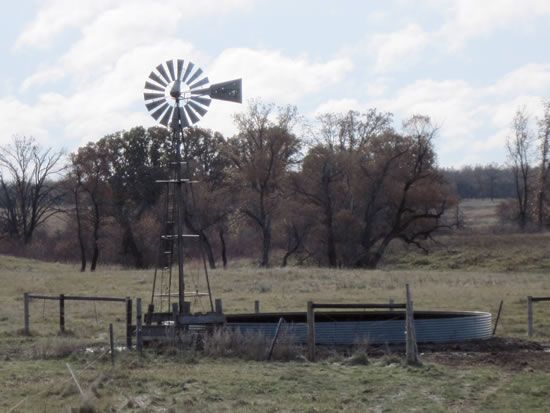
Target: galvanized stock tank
(375, 327)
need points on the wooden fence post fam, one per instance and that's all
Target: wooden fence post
(139, 338)
(257, 306)
(62, 313)
(129, 323)
(274, 340)
(412, 348)
(530, 316)
(391, 303)
(175, 321)
(26, 314)
(112, 344)
(218, 305)
(498, 316)
(310, 331)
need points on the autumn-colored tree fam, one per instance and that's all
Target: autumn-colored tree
(261, 154)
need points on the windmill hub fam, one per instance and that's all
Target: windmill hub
(178, 93)
(180, 90)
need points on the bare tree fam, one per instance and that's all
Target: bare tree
(544, 142)
(29, 194)
(261, 154)
(518, 146)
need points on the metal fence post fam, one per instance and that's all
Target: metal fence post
(62, 313)
(310, 331)
(128, 323)
(139, 338)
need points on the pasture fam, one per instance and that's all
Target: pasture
(456, 380)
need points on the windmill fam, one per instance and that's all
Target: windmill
(177, 95)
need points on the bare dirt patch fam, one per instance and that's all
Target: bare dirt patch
(512, 354)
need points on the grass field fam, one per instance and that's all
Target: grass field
(473, 271)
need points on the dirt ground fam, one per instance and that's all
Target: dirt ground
(511, 354)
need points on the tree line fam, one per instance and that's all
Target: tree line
(337, 195)
(528, 156)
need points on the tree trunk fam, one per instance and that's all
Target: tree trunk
(129, 246)
(266, 244)
(79, 232)
(97, 222)
(223, 247)
(209, 253)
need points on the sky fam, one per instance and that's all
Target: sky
(74, 71)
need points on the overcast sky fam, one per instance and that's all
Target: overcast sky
(73, 71)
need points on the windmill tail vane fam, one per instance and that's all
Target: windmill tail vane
(177, 95)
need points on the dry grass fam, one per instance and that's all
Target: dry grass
(474, 271)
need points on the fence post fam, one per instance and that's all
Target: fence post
(218, 305)
(129, 323)
(62, 313)
(310, 331)
(257, 306)
(412, 348)
(139, 338)
(391, 303)
(498, 316)
(175, 322)
(26, 314)
(112, 344)
(530, 316)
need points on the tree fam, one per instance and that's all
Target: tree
(544, 147)
(518, 146)
(90, 173)
(29, 193)
(403, 195)
(261, 154)
(207, 204)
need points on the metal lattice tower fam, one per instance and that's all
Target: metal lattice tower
(177, 94)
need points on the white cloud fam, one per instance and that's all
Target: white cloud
(474, 121)
(275, 77)
(468, 19)
(56, 16)
(395, 47)
(104, 70)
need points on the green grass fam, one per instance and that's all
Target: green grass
(472, 270)
(35, 366)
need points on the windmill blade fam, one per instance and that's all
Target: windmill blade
(199, 109)
(163, 73)
(183, 118)
(199, 83)
(230, 91)
(195, 75)
(156, 78)
(152, 105)
(170, 64)
(156, 114)
(179, 116)
(194, 118)
(190, 67)
(201, 100)
(150, 86)
(149, 96)
(180, 68)
(167, 116)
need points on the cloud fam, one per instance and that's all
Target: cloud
(394, 47)
(468, 19)
(56, 16)
(474, 120)
(275, 77)
(105, 68)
